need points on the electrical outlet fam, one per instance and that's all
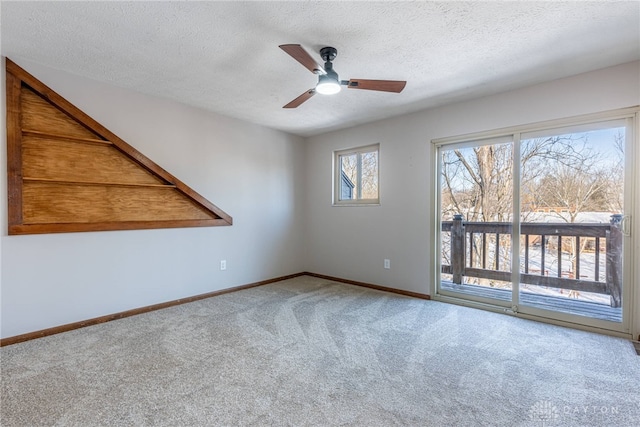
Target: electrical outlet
(387, 264)
(223, 264)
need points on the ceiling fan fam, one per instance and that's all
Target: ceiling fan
(328, 81)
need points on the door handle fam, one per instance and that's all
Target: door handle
(625, 225)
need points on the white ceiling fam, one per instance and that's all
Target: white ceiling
(224, 56)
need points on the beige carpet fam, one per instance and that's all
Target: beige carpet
(307, 352)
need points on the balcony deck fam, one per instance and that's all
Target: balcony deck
(565, 305)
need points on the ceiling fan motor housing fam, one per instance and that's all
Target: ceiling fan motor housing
(328, 53)
(328, 83)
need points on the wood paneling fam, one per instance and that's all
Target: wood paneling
(75, 161)
(46, 202)
(69, 173)
(40, 115)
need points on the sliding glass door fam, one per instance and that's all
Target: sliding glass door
(572, 215)
(476, 207)
(536, 221)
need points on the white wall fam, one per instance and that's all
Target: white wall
(351, 242)
(3, 169)
(278, 190)
(253, 173)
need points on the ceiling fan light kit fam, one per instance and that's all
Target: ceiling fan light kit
(328, 80)
(327, 85)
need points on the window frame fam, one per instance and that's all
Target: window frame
(337, 176)
(628, 327)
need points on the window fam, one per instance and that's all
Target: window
(356, 176)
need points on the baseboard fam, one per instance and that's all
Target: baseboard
(97, 320)
(369, 285)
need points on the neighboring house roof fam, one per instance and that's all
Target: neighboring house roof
(346, 180)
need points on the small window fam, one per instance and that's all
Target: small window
(356, 176)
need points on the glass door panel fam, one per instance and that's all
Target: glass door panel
(476, 209)
(571, 213)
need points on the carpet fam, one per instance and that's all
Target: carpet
(308, 352)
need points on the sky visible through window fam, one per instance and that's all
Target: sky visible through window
(607, 145)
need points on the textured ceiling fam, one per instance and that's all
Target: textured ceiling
(224, 56)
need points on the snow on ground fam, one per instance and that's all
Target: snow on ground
(581, 217)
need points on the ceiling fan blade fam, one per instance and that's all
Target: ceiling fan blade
(395, 86)
(299, 54)
(302, 98)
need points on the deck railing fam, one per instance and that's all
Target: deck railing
(471, 242)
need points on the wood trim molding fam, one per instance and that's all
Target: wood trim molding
(134, 205)
(107, 226)
(370, 285)
(121, 315)
(14, 152)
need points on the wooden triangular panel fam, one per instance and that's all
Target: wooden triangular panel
(67, 172)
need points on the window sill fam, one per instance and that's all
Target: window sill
(354, 204)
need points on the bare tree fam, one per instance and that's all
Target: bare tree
(585, 184)
(615, 193)
(576, 188)
(478, 182)
(558, 171)
(370, 175)
(365, 164)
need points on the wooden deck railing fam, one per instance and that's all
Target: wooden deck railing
(471, 242)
